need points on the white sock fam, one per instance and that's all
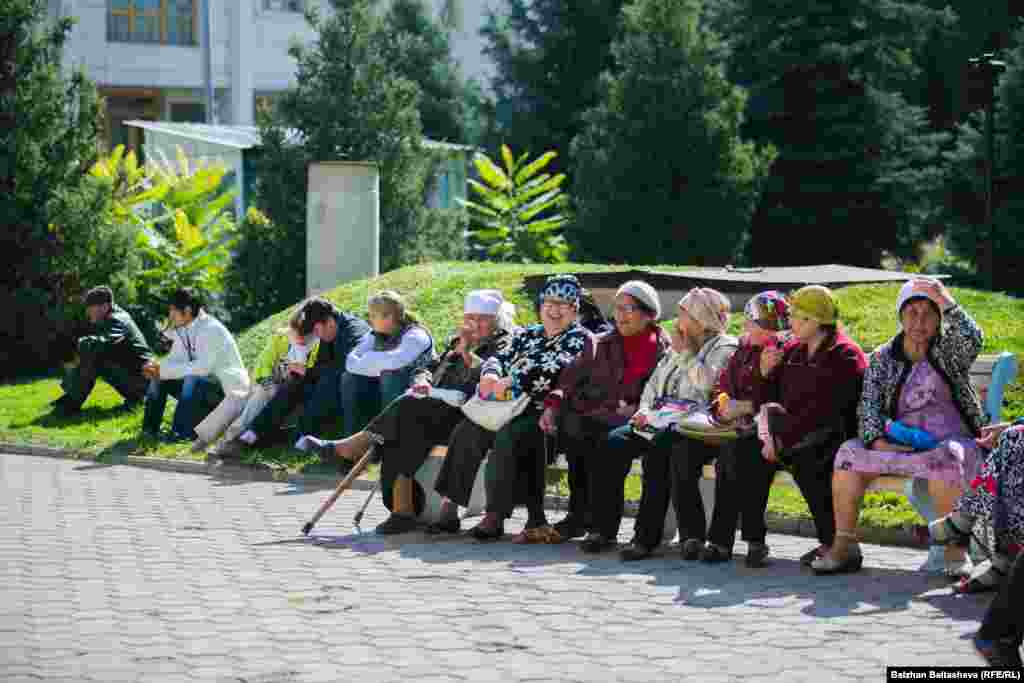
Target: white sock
(248, 437)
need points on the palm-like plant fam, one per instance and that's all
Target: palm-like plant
(520, 210)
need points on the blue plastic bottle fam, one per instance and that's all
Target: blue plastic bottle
(918, 439)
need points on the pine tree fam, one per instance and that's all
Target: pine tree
(660, 158)
(349, 102)
(549, 56)
(856, 161)
(421, 51)
(57, 238)
(967, 225)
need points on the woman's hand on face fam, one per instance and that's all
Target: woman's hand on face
(488, 385)
(771, 358)
(881, 444)
(548, 421)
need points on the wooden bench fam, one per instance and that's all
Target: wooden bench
(990, 375)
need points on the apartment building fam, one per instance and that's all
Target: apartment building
(146, 58)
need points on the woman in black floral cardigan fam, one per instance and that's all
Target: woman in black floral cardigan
(531, 362)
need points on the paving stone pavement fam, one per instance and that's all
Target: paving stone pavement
(113, 573)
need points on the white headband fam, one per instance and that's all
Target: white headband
(484, 302)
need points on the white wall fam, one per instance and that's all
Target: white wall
(250, 50)
(261, 55)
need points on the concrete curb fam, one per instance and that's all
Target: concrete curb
(776, 523)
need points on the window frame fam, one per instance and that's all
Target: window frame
(302, 7)
(162, 16)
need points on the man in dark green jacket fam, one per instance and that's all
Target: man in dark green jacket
(115, 351)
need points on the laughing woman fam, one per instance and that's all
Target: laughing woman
(531, 362)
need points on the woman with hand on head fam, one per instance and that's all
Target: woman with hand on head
(806, 397)
(919, 416)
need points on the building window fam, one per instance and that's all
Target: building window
(165, 22)
(284, 5)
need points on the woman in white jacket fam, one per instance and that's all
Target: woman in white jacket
(380, 368)
(203, 364)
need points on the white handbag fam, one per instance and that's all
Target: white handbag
(493, 415)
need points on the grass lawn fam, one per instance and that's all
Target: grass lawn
(435, 292)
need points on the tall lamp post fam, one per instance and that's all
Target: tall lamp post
(987, 69)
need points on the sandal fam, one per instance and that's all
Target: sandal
(982, 580)
(829, 565)
(539, 534)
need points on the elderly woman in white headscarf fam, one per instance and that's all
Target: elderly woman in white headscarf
(427, 413)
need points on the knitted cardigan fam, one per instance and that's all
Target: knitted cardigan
(951, 353)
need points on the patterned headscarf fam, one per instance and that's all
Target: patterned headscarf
(564, 287)
(768, 309)
(707, 306)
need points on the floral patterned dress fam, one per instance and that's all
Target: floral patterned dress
(995, 497)
(534, 361)
(926, 402)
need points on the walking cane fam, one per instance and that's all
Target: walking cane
(343, 486)
(359, 515)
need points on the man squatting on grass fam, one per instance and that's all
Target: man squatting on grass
(115, 351)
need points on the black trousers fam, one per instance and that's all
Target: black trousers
(582, 439)
(608, 469)
(1004, 619)
(688, 459)
(516, 468)
(467, 447)
(811, 468)
(410, 427)
(743, 479)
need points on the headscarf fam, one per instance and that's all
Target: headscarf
(492, 302)
(707, 306)
(644, 293)
(909, 292)
(816, 303)
(564, 287)
(768, 309)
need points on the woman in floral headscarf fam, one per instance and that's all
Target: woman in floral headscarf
(743, 478)
(530, 362)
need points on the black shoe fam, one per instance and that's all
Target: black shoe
(715, 554)
(570, 528)
(596, 543)
(482, 533)
(810, 556)
(691, 549)
(172, 437)
(396, 524)
(757, 555)
(448, 526)
(635, 551)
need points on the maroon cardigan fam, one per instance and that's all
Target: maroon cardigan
(817, 394)
(593, 384)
